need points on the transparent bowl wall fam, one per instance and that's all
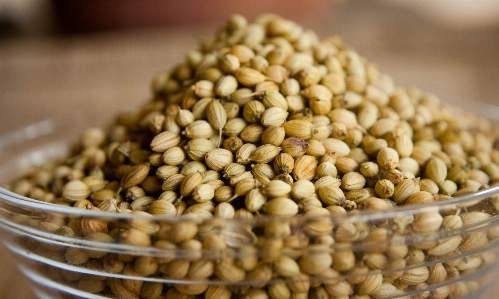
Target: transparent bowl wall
(241, 258)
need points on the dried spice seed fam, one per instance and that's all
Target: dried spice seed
(164, 141)
(299, 126)
(135, 175)
(265, 153)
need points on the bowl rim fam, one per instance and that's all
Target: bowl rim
(54, 125)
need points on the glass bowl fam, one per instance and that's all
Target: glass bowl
(445, 249)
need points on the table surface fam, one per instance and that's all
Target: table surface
(101, 73)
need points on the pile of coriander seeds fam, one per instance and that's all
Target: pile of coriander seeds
(268, 119)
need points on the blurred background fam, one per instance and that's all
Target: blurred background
(58, 56)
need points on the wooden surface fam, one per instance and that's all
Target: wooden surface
(101, 74)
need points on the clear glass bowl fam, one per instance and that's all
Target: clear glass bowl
(417, 251)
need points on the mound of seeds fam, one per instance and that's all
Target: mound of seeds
(268, 119)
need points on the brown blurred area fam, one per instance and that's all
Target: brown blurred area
(98, 57)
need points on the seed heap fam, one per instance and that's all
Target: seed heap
(267, 119)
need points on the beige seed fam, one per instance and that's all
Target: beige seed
(185, 118)
(286, 266)
(135, 175)
(265, 153)
(274, 99)
(289, 87)
(277, 189)
(343, 116)
(91, 285)
(436, 170)
(249, 77)
(197, 148)
(429, 185)
(302, 189)
(274, 116)
(448, 187)
(273, 135)
(327, 169)
(474, 241)
(373, 203)
(384, 188)
(203, 193)
(446, 246)
(224, 210)
(331, 195)
(279, 291)
(405, 189)
(76, 256)
(336, 146)
(427, 222)
(420, 197)
(326, 181)
(254, 200)
(242, 52)
(253, 111)
(374, 146)
(338, 130)
(161, 207)
(237, 178)
(225, 86)
(305, 168)
(164, 141)
(303, 114)
(371, 284)
(369, 169)
(198, 129)
(474, 217)
(283, 163)
(367, 116)
(173, 156)
(315, 263)
(216, 115)
(229, 63)
(218, 292)
(353, 181)
(320, 106)
(346, 164)
(259, 63)
(193, 166)
(294, 146)
(233, 169)
(234, 126)
(394, 175)
(142, 203)
(281, 206)
(173, 182)
(459, 173)
(360, 196)
(190, 181)
(203, 89)
(387, 158)
(151, 290)
(383, 126)
(218, 158)
(227, 270)
(75, 190)
(299, 128)
(232, 144)
(231, 109)
(135, 237)
(415, 276)
(437, 274)
(119, 290)
(252, 133)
